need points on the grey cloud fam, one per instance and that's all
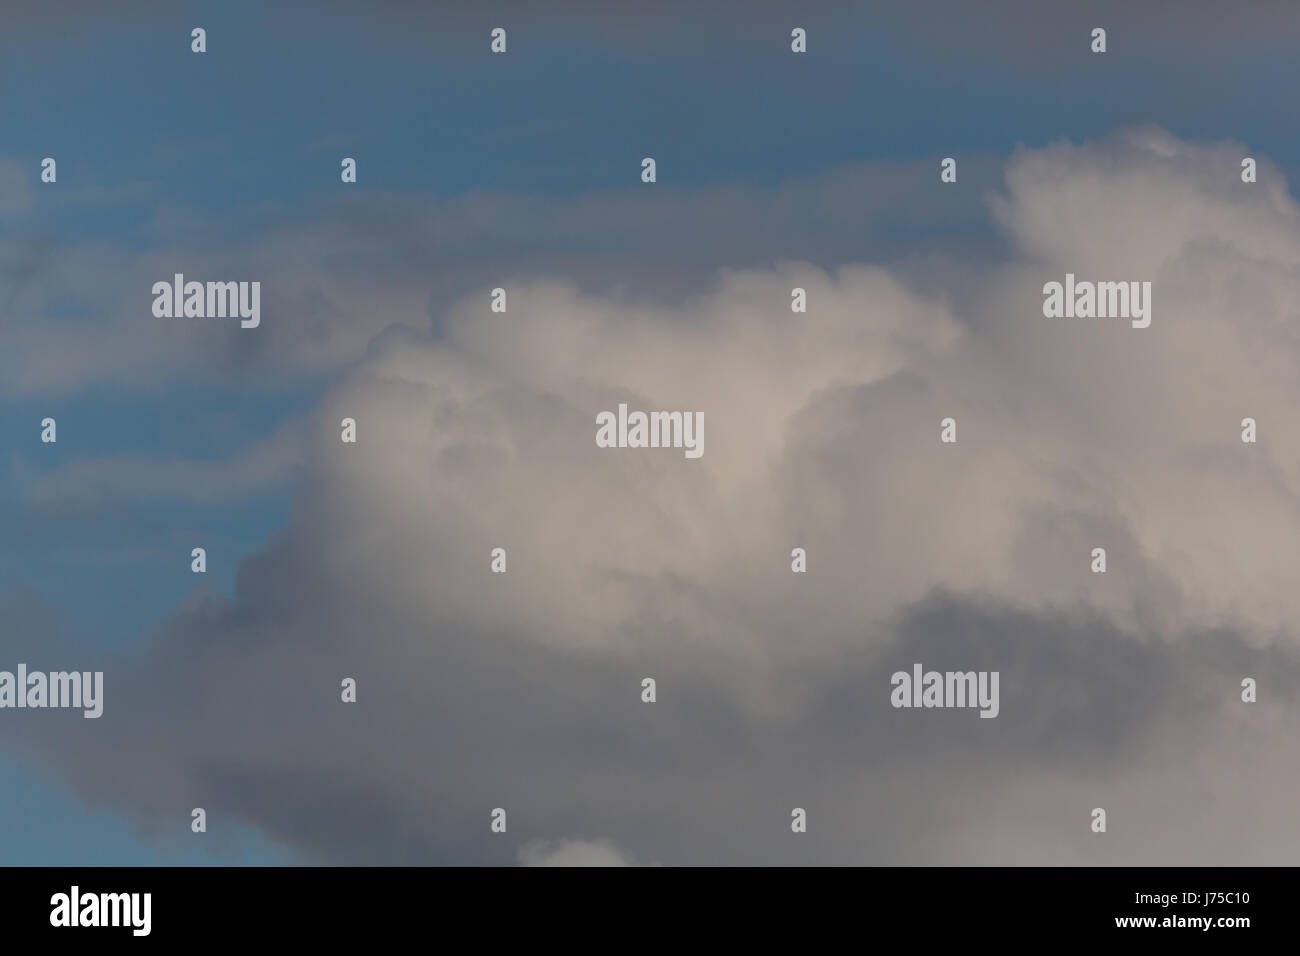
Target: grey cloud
(83, 482)
(1017, 33)
(236, 712)
(573, 852)
(1020, 34)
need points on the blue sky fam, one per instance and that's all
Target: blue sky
(156, 146)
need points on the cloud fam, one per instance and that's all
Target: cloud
(30, 13)
(480, 690)
(1019, 33)
(268, 463)
(15, 189)
(337, 272)
(572, 853)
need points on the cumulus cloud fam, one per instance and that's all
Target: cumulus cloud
(572, 853)
(478, 690)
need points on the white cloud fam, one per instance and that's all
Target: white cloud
(574, 852)
(822, 431)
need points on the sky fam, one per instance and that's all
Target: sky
(775, 170)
